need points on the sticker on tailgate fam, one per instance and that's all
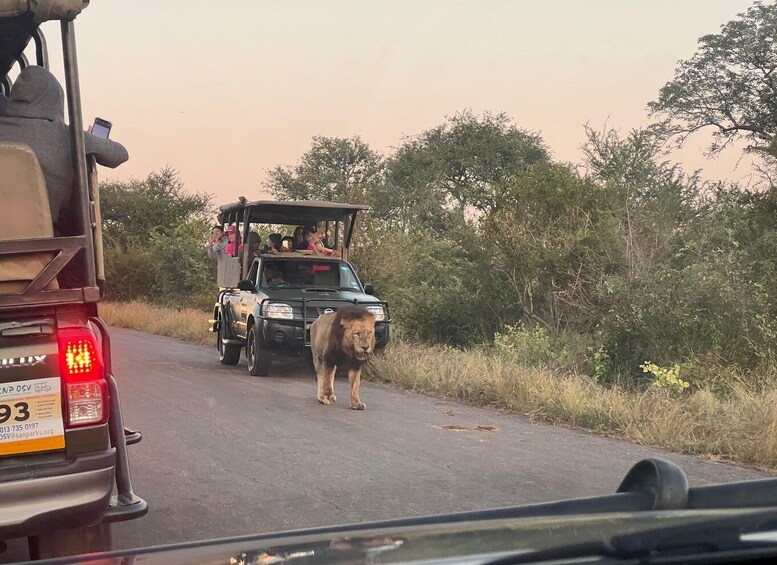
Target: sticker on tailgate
(31, 416)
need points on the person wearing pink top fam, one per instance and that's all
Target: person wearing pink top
(233, 243)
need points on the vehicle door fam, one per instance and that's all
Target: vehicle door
(246, 301)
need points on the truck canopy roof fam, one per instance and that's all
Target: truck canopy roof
(291, 212)
(19, 20)
(43, 10)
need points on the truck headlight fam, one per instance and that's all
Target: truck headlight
(376, 311)
(282, 311)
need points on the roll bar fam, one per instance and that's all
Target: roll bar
(295, 212)
(76, 121)
(64, 248)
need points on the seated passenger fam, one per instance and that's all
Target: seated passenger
(328, 242)
(254, 244)
(36, 117)
(231, 248)
(299, 241)
(273, 243)
(273, 275)
(287, 244)
(315, 244)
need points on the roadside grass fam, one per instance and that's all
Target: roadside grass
(740, 426)
(187, 324)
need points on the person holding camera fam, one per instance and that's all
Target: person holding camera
(217, 242)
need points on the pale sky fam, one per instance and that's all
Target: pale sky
(222, 91)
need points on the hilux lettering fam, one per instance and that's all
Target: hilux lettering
(30, 361)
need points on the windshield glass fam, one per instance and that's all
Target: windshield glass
(308, 274)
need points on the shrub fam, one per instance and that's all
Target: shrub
(666, 379)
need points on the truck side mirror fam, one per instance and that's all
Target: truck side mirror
(246, 286)
(368, 288)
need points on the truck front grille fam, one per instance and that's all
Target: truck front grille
(313, 312)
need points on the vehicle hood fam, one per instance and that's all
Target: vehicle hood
(37, 94)
(463, 542)
(320, 298)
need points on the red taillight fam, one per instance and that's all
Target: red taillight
(79, 358)
(83, 382)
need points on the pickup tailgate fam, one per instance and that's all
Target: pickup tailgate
(31, 417)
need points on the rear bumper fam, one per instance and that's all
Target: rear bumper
(36, 498)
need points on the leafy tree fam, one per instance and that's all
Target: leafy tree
(127, 274)
(411, 197)
(437, 290)
(471, 158)
(706, 310)
(169, 267)
(136, 208)
(554, 242)
(729, 85)
(154, 241)
(694, 283)
(180, 269)
(649, 198)
(333, 169)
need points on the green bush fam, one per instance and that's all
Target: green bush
(666, 378)
(529, 347)
(154, 242)
(537, 347)
(437, 290)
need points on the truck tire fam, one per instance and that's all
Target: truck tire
(308, 355)
(229, 354)
(257, 354)
(75, 541)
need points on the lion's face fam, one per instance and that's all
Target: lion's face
(359, 337)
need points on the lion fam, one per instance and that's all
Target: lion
(344, 339)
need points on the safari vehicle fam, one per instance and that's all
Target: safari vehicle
(64, 470)
(654, 517)
(264, 314)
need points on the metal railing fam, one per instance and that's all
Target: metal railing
(35, 293)
(126, 505)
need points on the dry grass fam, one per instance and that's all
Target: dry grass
(741, 427)
(186, 324)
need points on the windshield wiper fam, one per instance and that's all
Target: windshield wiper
(715, 535)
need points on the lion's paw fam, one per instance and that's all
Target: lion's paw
(325, 400)
(358, 405)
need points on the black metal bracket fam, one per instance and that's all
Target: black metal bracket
(64, 250)
(127, 504)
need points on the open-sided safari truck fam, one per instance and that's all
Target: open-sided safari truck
(64, 472)
(269, 300)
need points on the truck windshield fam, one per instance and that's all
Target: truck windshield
(308, 274)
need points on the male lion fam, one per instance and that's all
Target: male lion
(344, 339)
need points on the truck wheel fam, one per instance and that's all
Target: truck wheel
(308, 355)
(75, 541)
(257, 354)
(229, 354)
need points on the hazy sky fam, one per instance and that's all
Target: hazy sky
(222, 91)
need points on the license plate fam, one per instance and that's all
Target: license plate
(31, 416)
